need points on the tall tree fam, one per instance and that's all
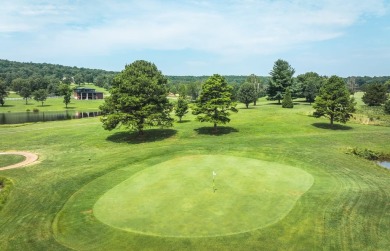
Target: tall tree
(257, 85)
(181, 107)
(25, 92)
(215, 102)
(375, 95)
(40, 95)
(3, 93)
(247, 94)
(66, 91)
(334, 101)
(310, 84)
(138, 99)
(281, 78)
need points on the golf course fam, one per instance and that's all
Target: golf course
(271, 179)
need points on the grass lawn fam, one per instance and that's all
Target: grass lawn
(10, 159)
(284, 182)
(177, 198)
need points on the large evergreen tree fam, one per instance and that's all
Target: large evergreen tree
(215, 101)
(247, 94)
(138, 99)
(281, 78)
(376, 95)
(334, 101)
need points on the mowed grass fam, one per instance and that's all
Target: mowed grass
(178, 198)
(52, 204)
(10, 159)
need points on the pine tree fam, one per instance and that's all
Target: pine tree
(334, 101)
(215, 102)
(181, 107)
(287, 100)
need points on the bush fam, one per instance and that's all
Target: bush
(5, 189)
(365, 153)
(35, 110)
(386, 107)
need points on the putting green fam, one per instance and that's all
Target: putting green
(176, 198)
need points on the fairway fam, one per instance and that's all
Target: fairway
(176, 198)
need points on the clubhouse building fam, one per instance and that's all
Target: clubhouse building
(83, 93)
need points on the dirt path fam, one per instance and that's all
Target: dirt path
(30, 158)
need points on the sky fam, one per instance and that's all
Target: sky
(197, 37)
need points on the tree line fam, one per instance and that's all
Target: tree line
(138, 97)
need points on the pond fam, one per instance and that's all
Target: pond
(26, 117)
(385, 164)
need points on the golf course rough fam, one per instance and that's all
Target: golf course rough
(176, 198)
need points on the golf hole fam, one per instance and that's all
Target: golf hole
(178, 198)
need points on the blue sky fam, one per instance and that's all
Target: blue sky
(189, 37)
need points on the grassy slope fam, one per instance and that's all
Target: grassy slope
(346, 208)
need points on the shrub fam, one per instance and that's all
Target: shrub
(365, 153)
(5, 189)
(35, 110)
(386, 107)
(287, 100)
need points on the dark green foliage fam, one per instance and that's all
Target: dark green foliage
(258, 86)
(247, 94)
(5, 188)
(138, 99)
(287, 100)
(66, 91)
(181, 107)
(41, 76)
(386, 107)
(366, 153)
(26, 92)
(309, 85)
(3, 93)
(40, 95)
(334, 101)
(215, 101)
(281, 78)
(376, 95)
(194, 89)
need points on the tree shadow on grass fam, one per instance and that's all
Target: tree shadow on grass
(221, 130)
(332, 127)
(151, 135)
(183, 121)
(5, 105)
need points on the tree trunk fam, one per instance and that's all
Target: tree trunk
(331, 120)
(215, 127)
(247, 105)
(254, 102)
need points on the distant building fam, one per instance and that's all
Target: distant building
(83, 93)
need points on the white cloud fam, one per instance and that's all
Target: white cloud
(228, 28)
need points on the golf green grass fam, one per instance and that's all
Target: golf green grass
(54, 204)
(177, 198)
